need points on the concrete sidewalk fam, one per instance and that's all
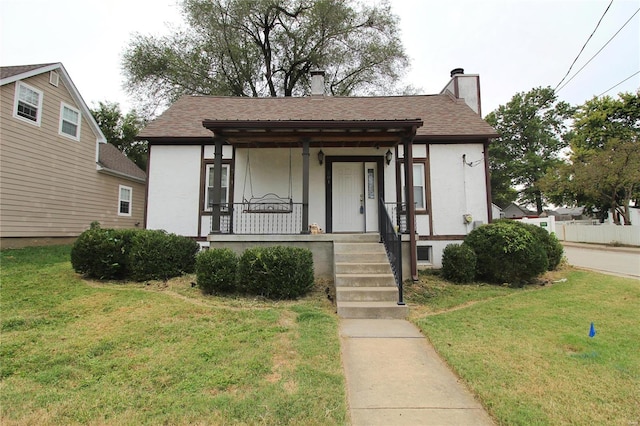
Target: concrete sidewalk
(395, 377)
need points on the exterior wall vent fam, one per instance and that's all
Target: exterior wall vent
(54, 78)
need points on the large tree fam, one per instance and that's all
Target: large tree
(120, 130)
(268, 48)
(603, 171)
(531, 127)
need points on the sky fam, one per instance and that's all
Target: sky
(514, 45)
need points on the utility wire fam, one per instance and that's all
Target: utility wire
(598, 52)
(585, 45)
(618, 84)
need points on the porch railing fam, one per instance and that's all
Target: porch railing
(244, 218)
(393, 246)
(398, 215)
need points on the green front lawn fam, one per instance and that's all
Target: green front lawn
(86, 352)
(526, 353)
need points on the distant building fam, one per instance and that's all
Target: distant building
(514, 211)
(563, 214)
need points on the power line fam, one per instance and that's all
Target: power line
(598, 52)
(618, 84)
(585, 45)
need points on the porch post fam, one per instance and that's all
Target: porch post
(305, 186)
(216, 197)
(411, 207)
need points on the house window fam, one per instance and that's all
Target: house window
(28, 103)
(224, 199)
(424, 253)
(69, 121)
(419, 185)
(124, 201)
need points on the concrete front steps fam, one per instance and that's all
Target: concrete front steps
(365, 286)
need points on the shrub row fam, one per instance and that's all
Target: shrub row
(132, 254)
(274, 272)
(505, 251)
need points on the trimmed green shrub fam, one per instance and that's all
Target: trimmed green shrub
(216, 270)
(102, 253)
(549, 242)
(276, 272)
(158, 255)
(507, 253)
(459, 263)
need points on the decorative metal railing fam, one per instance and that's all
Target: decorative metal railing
(248, 218)
(398, 215)
(393, 245)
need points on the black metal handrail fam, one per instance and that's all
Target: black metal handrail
(393, 246)
(250, 219)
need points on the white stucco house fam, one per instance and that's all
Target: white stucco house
(244, 171)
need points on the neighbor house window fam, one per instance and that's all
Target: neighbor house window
(124, 201)
(69, 121)
(28, 103)
(419, 185)
(224, 199)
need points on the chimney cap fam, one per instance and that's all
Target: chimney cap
(457, 71)
(316, 72)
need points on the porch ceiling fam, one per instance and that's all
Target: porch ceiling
(319, 133)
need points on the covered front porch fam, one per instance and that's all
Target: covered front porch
(324, 158)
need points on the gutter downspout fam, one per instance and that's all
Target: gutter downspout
(487, 176)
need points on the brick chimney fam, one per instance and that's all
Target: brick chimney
(317, 83)
(466, 87)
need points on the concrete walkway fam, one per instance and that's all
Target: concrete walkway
(395, 377)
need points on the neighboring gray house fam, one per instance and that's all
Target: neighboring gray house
(514, 211)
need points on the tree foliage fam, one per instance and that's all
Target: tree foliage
(603, 173)
(121, 130)
(268, 48)
(531, 127)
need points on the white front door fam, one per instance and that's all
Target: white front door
(354, 197)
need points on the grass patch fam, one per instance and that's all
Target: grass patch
(527, 354)
(88, 352)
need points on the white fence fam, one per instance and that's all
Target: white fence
(546, 223)
(598, 234)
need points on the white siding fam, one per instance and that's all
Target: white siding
(174, 189)
(456, 188)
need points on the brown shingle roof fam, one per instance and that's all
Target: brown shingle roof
(111, 158)
(443, 116)
(6, 72)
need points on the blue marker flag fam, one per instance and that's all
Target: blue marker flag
(592, 331)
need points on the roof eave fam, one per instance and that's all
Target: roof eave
(117, 173)
(171, 140)
(448, 138)
(306, 124)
